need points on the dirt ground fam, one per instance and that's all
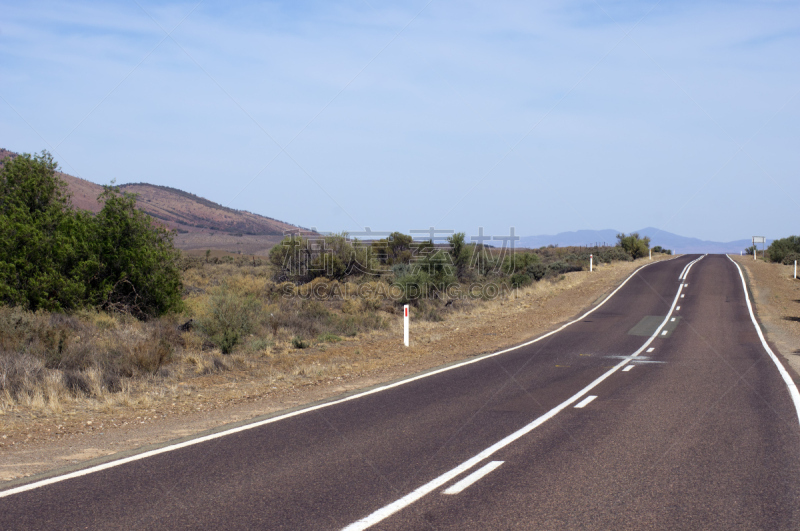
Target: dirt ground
(34, 441)
(777, 300)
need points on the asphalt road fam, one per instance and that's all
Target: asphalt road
(700, 433)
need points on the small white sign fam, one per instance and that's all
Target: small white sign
(759, 239)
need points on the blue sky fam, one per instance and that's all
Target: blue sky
(546, 116)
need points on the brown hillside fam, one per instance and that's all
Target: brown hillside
(183, 211)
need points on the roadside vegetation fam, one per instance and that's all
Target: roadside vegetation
(784, 251)
(93, 304)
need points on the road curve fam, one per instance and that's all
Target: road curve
(696, 431)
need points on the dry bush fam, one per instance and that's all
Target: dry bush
(20, 374)
(87, 354)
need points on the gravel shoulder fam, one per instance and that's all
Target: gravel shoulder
(37, 441)
(777, 303)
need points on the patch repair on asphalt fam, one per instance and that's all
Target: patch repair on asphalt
(648, 326)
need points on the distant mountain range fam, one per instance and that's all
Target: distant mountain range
(179, 210)
(195, 216)
(678, 244)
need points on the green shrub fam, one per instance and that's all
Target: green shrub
(560, 267)
(634, 245)
(791, 258)
(519, 280)
(327, 337)
(335, 256)
(230, 317)
(779, 250)
(536, 271)
(519, 262)
(612, 254)
(56, 258)
(299, 343)
(413, 286)
(41, 241)
(134, 263)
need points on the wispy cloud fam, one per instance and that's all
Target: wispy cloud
(434, 112)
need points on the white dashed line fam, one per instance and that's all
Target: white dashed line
(629, 367)
(472, 478)
(415, 495)
(664, 333)
(585, 401)
(682, 295)
(651, 349)
(678, 308)
(672, 320)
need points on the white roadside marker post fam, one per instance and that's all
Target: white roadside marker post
(651, 254)
(754, 253)
(590, 263)
(405, 325)
(795, 269)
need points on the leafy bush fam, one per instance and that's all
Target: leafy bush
(519, 262)
(611, 254)
(55, 258)
(38, 247)
(134, 264)
(301, 259)
(779, 250)
(229, 318)
(461, 253)
(299, 343)
(519, 280)
(634, 245)
(396, 249)
(413, 287)
(559, 268)
(791, 258)
(536, 271)
(327, 337)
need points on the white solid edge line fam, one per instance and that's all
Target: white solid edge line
(784, 373)
(388, 510)
(686, 269)
(585, 402)
(629, 367)
(205, 438)
(472, 478)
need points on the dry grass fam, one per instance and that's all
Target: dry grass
(100, 362)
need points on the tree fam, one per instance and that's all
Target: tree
(634, 245)
(461, 253)
(396, 249)
(39, 236)
(133, 261)
(55, 258)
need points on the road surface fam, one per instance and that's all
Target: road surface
(692, 426)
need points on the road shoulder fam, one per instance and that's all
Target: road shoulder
(776, 296)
